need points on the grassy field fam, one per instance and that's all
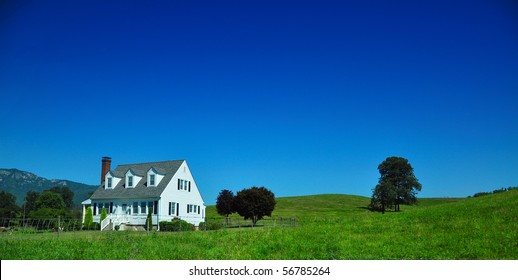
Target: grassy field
(328, 227)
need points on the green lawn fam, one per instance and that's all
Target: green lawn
(329, 227)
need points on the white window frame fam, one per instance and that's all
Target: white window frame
(172, 208)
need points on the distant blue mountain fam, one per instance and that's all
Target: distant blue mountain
(20, 182)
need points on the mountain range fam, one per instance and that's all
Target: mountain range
(20, 182)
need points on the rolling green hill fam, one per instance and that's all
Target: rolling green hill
(329, 206)
(328, 227)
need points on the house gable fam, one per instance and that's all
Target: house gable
(131, 179)
(154, 177)
(111, 180)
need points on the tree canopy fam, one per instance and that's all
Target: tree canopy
(397, 185)
(48, 199)
(30, 201)
(254, 203)
(66, 194)
(8, 207)
(225, 203)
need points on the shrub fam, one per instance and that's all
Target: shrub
(176, 225)
(211, 225)
(89, 217)
(104, 215)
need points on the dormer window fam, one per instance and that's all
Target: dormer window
(154, 177)
(130, 181)
(109, 183)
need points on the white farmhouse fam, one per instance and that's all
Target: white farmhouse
(129, 192)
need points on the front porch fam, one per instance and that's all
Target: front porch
(124, 220)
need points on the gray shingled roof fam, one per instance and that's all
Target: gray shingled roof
(166, 168)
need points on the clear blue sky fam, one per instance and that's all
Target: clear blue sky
(303, 97)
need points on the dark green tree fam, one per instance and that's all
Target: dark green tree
(30, 200)
(397, 174)
(225, 204)
(8, 207)
(48, 199)
(254, 203)
(66, 194)
(383, 196)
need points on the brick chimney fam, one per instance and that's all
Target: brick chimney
(106, 166)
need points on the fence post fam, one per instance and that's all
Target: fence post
(59, 225)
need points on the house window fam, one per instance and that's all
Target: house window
(172, 208)
(191, 208)
(109, 183)
(143, 207)
(199, 209)
(152, 179)
(130, 181)
(184, 185)
(135, 208)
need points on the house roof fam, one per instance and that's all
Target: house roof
(166, 168)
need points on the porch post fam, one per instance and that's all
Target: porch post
(157, 215)
(83, 214)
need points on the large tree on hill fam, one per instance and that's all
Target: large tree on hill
(225, 204)
(397, 179)
(254, 203)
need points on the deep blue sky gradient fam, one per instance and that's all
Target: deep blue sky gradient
(303, 97)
